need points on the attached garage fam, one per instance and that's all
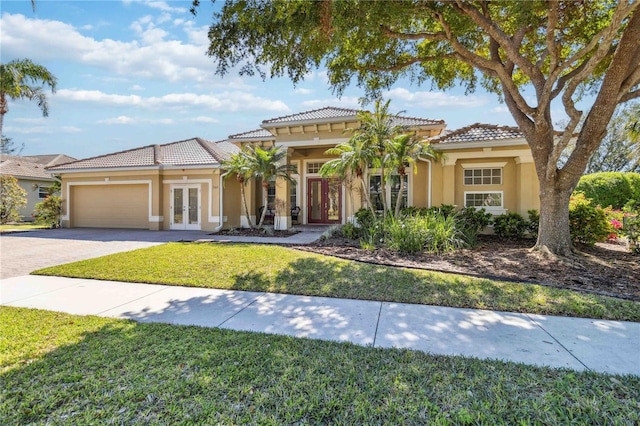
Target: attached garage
(110, 206)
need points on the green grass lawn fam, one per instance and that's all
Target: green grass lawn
(284, 270)
(62, 369)
(20, 227)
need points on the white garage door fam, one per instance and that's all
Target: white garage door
(110, 206)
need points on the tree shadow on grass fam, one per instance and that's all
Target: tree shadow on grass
(131, 373)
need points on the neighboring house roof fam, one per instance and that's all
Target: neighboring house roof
(259, 134)
(479, 133)
(328, 114)
(189, 152)
(30, 166)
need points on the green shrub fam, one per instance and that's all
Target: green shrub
(588, 224)
(533, 223)
(48, 211)
(510, 225)
(12, 198)
(443, 235)
(613, 189)
(470, 222)
(365, 218)
(349, 230)
(406, 235)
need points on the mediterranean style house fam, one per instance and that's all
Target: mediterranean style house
(30, 172)
(182, 185)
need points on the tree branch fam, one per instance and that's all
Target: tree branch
(401, 65)
(630, 95)
(412, 36)
(552, 23)
(502, 39)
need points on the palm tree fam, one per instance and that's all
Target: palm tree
(19, 79)
(238, 165)
(375, 131)
(405, 150)
(354, 157)
(265, 164)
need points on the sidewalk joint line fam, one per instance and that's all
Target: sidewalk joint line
(375, 334)
(166, 287)
(245, 307)
(41, 294)
(557, 341)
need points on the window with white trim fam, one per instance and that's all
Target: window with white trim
(490, 201)
(483, 176)
(43, 192)
(314, 168)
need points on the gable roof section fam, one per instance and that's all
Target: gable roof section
(30, 166)
(189, 152)
(333, 114)
(479, 133)
(253, 135)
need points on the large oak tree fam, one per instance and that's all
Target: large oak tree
(532, 54)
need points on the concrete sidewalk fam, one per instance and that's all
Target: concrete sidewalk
(575, 343)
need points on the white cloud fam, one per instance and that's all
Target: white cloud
(123, 119)
(303, 91)
(204, 119)
(501, 109)
(225, 101)
(433, 99)
(42, 129)
(164, 6)
(136, 87)
(344, 102)
(153, 56)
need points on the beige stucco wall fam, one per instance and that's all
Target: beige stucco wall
(30, 186)
(519, 181)
(158, 184)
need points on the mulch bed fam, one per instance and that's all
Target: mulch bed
(255, 232)
(605, 269)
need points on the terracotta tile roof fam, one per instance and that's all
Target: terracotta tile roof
(333, 113)
(227, 147)
(479, 133)
(260, 134)
(195, 151)
(30, 166)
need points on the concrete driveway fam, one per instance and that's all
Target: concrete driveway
(21, 253)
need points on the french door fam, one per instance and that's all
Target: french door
(324, 201)
(185, 207)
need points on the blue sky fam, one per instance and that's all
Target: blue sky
(135, 73)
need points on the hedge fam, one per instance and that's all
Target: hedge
(613, 189)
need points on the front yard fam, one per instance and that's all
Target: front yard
(285, 270)
(62, 369)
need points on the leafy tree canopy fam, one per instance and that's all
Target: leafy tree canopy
(559, 49)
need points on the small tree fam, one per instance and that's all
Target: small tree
(405, 150)
(19, 79)
(265, 164)
(12, 197)
(238, 165)
(48, 211)
(354, 157)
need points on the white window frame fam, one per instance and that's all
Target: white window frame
(481, 177)
(43, 190)
(495, 210)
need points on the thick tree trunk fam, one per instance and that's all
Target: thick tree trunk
(553, 231)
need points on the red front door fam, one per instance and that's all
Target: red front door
(324, 201)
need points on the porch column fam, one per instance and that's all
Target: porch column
(282, 205)
(449, 182)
